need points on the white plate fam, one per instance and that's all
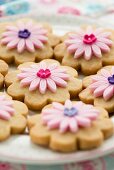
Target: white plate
(19, 149)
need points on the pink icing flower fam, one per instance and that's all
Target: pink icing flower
(24, 36)
(42, 76)
(6, 108)
(69, 116)
(5, 166)
(103, 84)
(88, 43)
(68, 10)
(48, 1)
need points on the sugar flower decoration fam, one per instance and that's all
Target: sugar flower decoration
(6, 108)
(103, 84)
(88, 43)
(24, 36)
(69, 116)
(42, 76)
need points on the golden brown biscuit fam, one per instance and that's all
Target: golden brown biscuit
(3, 72)
(26, 40)
(12, 116)
(70, 127)
(41, 83)
(87, 49)
(99, 89)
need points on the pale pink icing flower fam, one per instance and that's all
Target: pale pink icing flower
(103, 84)
(88, 43)
(24, 36)
(6, 108)
(5, 166)
(69, 116)
(68, 10)
(42, 76)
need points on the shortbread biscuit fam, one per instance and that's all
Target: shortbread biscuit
(70, 127)
(3, 72)
(12, 116)
(41, 83)
(26, 40)
(99, 89)
(87, 49)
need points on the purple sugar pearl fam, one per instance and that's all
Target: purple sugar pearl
(111, 79)
(24, 34)
(70, 112)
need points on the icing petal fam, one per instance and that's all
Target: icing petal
(83, 122)
(79, 52)
(105, 73)
(42, 86)
(27, 80)
(7, 39)
(53, 67)
(105, 41)
(34, 84)
(42, 38)
(73, 125)
(51, 85)
(43, 65)
(58, 106)
(21, 46)
(12, 28)
(108, 93)
(68, 104)
(13, 43)
(4, 115)
(103, 46)
(9, 33)
(98, 31)
(95, 85)
(72, 48)
(52, 124)
(59, 81)
(88, 52)
(90, 115)
(64, 125)
(99, 91)
(61, 75)
(112, 70)
(29, 45)
(57, 70)
(96, 51)
(37, 43)
(105, 34)
(98, 78)
(52, 111)
(47, 118)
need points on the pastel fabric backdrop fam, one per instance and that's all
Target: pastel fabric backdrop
(87, 8)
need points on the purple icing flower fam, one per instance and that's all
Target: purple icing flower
(24, 37)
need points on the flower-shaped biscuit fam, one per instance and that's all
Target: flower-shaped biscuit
(86, 49)
(41, 83)
(99, 89)
(70, 127)
(25, 41)
(12, 116)
(3, 72)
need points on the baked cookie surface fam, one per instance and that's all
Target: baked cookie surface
(12, 116)
(26, 40)
(3, 71)
(99, 89)
(70, 127)
(88, 49)
(41, 83)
